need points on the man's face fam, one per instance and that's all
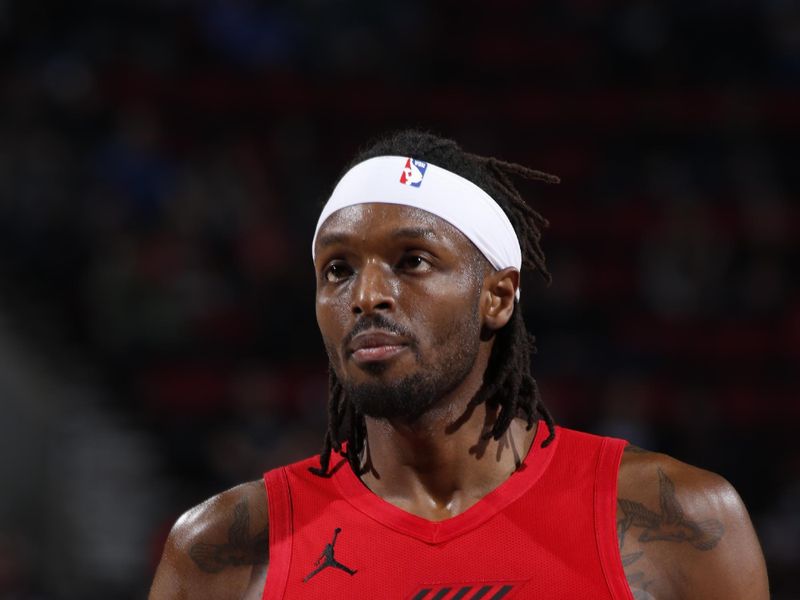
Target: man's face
(398, 293)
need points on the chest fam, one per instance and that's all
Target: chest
(516, 553)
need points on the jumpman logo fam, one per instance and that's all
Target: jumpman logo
(327, 559)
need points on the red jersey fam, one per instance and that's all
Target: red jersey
(547, 532)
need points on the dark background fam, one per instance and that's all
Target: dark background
(162, 165)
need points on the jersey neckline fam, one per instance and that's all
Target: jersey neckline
(365, 500)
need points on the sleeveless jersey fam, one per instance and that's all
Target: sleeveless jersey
(547, 532)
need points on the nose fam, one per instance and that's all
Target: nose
(373, 290)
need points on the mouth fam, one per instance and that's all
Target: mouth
(373, 346)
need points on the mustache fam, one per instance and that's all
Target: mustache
(379, 322)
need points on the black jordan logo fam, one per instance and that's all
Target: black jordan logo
(327, 559)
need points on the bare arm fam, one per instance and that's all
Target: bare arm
(218, 549)
(684, 533)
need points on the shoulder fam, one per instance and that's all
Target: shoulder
(229, 529)
(684, 532)
(214, 549)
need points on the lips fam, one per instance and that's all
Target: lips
(375, 346)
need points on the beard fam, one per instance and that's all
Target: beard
(411, 396)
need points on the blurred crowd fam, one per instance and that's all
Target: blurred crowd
(162, 165)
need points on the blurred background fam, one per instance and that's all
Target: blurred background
(162, 165)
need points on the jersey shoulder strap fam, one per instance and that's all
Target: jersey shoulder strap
(280, 527)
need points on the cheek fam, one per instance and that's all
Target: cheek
(458, 327)
(447, 312)
(329, 319)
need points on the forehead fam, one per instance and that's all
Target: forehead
(383, 222)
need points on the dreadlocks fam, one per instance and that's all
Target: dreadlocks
(508, 382)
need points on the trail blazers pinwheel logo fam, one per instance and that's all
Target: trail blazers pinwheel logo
(327, 559)
(463, 591)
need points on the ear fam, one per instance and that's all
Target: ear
(499, 293)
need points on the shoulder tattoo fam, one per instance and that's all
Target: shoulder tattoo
(241, 548)
(669, 524)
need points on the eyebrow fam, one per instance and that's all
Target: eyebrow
(329, 239)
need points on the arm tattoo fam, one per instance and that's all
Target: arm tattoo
(670, 524)
(637, 580)
(241, 548)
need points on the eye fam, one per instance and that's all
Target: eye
(414, 262)
(336, 272)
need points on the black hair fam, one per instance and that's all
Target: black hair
(508, 382)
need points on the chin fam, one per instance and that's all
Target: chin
(406, 397)
(389, 409)
(375, 368)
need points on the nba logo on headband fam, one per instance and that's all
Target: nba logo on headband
(413, 172)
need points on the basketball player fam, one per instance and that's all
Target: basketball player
(443, 476)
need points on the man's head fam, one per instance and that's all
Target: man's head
(406, 303)
(403, 300)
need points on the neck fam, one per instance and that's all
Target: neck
(439, 465)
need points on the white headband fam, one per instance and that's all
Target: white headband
(415, 183)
